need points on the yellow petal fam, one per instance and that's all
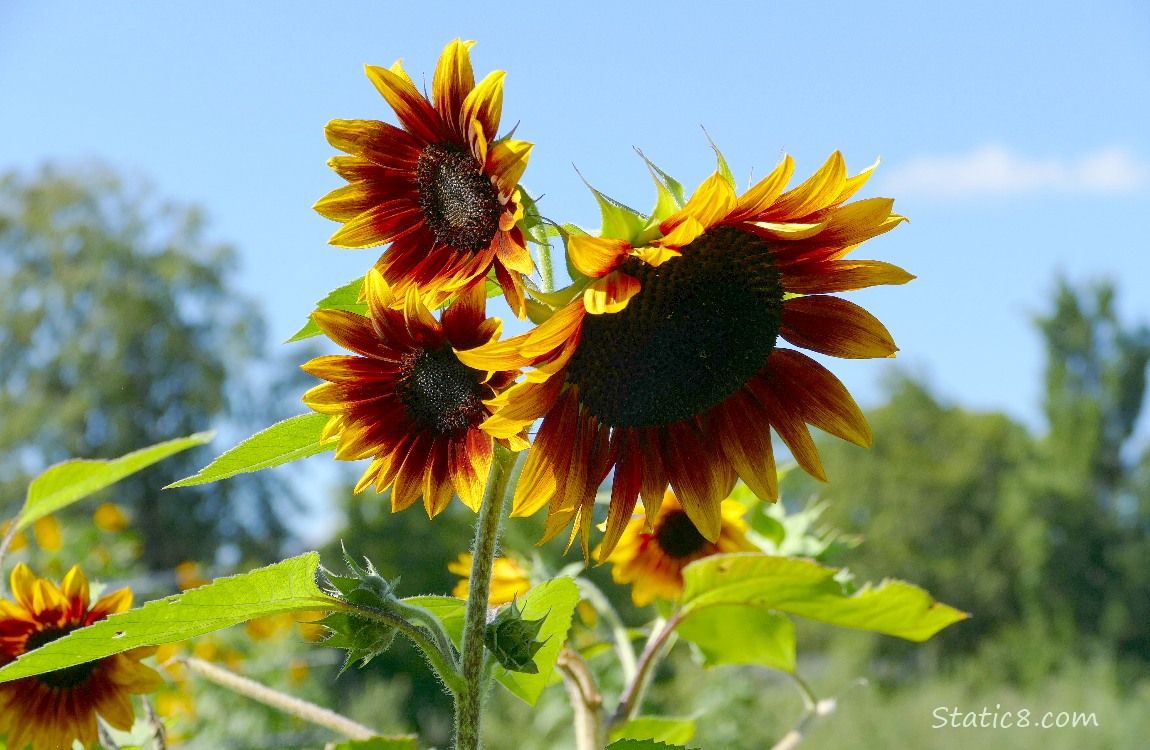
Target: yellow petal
(596, 256)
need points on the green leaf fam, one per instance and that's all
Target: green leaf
(630, 744)
(451, 612)
(657, 728)
(380, 743)
(737, 634)
(65, 483)
(555, 600)
(289, 440)
(344, 298)
(287, 586)
(807, 589)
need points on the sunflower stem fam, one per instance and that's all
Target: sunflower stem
(282, 701)
(586, 700)
(546, 270)
(660, 642)
(469, 701)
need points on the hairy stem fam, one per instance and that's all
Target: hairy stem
(469, 701)
(434, 644)
(274, 698)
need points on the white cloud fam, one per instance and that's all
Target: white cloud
(995, 170)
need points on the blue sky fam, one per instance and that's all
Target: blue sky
(1016, 136)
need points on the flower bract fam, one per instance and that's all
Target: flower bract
(51, 710)
(405, 400)
(669, 368)
(440, 189)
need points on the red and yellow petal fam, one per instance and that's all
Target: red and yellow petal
(834, 326)
(610, 294)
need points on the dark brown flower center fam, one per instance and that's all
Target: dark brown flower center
(61, 679)
(440, 392)
(677, 536)
(701, 326)
(459, 202)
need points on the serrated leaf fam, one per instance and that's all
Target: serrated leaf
(65, 483)
(630, 744)
(289, 440)
(380, 743)
(287, 586)
(738, 634)
(807, 589)
(657, 728)
(344, 298)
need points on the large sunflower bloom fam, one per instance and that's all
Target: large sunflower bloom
(652, 553)
(51, 710)
(440, 189)
(668, 370)
(405, 400)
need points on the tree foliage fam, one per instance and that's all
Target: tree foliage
(118, 330)
(1043, 538)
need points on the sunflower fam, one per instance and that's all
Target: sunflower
(651, 554)
(440, 189)
(51, 710)
(508, 579)
(405, 399)
(668, 368)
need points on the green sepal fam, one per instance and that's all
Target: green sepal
(511, 639)
(724, 170)
(670, 192)
(344, 298)
(620, 222)
(362, 638)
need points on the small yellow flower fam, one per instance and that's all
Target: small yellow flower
(651, 557)
(51, 710)
(110, 517)
(19, 540)
(188, 575)
(48, 534)
(508, 579)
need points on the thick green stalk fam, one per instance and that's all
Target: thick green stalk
(469, 701)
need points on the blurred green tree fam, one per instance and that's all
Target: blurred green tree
(118, 329)
(1045, 540)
